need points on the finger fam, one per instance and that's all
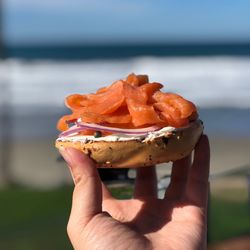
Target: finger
(179, 177)
(109, 203)
(87, 195)
(146, 182)
(106, 193)
(197, 185)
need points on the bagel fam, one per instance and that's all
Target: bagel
(168, 144)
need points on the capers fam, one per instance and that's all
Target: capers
(97, 134)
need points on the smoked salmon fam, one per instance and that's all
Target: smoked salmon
(130, 103)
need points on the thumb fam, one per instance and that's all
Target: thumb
(87, 195)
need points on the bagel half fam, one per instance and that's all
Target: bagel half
(171, 145)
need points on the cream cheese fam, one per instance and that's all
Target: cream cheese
(119, 137)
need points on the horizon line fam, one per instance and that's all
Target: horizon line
(128, 44)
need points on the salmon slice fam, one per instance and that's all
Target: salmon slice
(108, 101)
(137, 80)
(185, 107)
(62, 124)
(136, 100)
(75, 101)
(104, 89)
(174, 121)
(119, 117)
(171, 115)
(101, 90)
(107, 106)
(159, 96)
(100, 119)
(134, 93)
(142, 114)
(149, 89)
(165, 107)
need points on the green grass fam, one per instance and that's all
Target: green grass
(228, 217)
(122, 193)
(32, 220)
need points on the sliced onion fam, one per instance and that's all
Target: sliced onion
(82, 126)
(72, 130)
(117, 130)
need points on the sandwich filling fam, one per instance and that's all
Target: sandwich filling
(128, 109)
(150, 136)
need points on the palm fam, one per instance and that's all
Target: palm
(151, 218)
(178, 221)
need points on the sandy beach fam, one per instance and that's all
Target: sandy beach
(34, 163)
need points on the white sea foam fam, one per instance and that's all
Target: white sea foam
(208, 81)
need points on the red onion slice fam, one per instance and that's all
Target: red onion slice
(117, 130)
(73, 130)
(82, 126)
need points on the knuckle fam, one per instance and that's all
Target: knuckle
(77, 179)
(82, 179)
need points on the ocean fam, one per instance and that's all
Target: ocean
(35, 80)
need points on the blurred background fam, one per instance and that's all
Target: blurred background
(50, 49)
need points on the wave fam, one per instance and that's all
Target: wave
(207, 81)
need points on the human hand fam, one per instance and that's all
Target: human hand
(178, 221)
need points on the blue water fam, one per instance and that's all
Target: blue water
(79, 52)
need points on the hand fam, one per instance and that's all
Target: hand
(179, 221)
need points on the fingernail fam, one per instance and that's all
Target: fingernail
(77, 161)
(68, 159)
(76, 155)
(66, 156)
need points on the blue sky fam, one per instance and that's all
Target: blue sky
(130, 21)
